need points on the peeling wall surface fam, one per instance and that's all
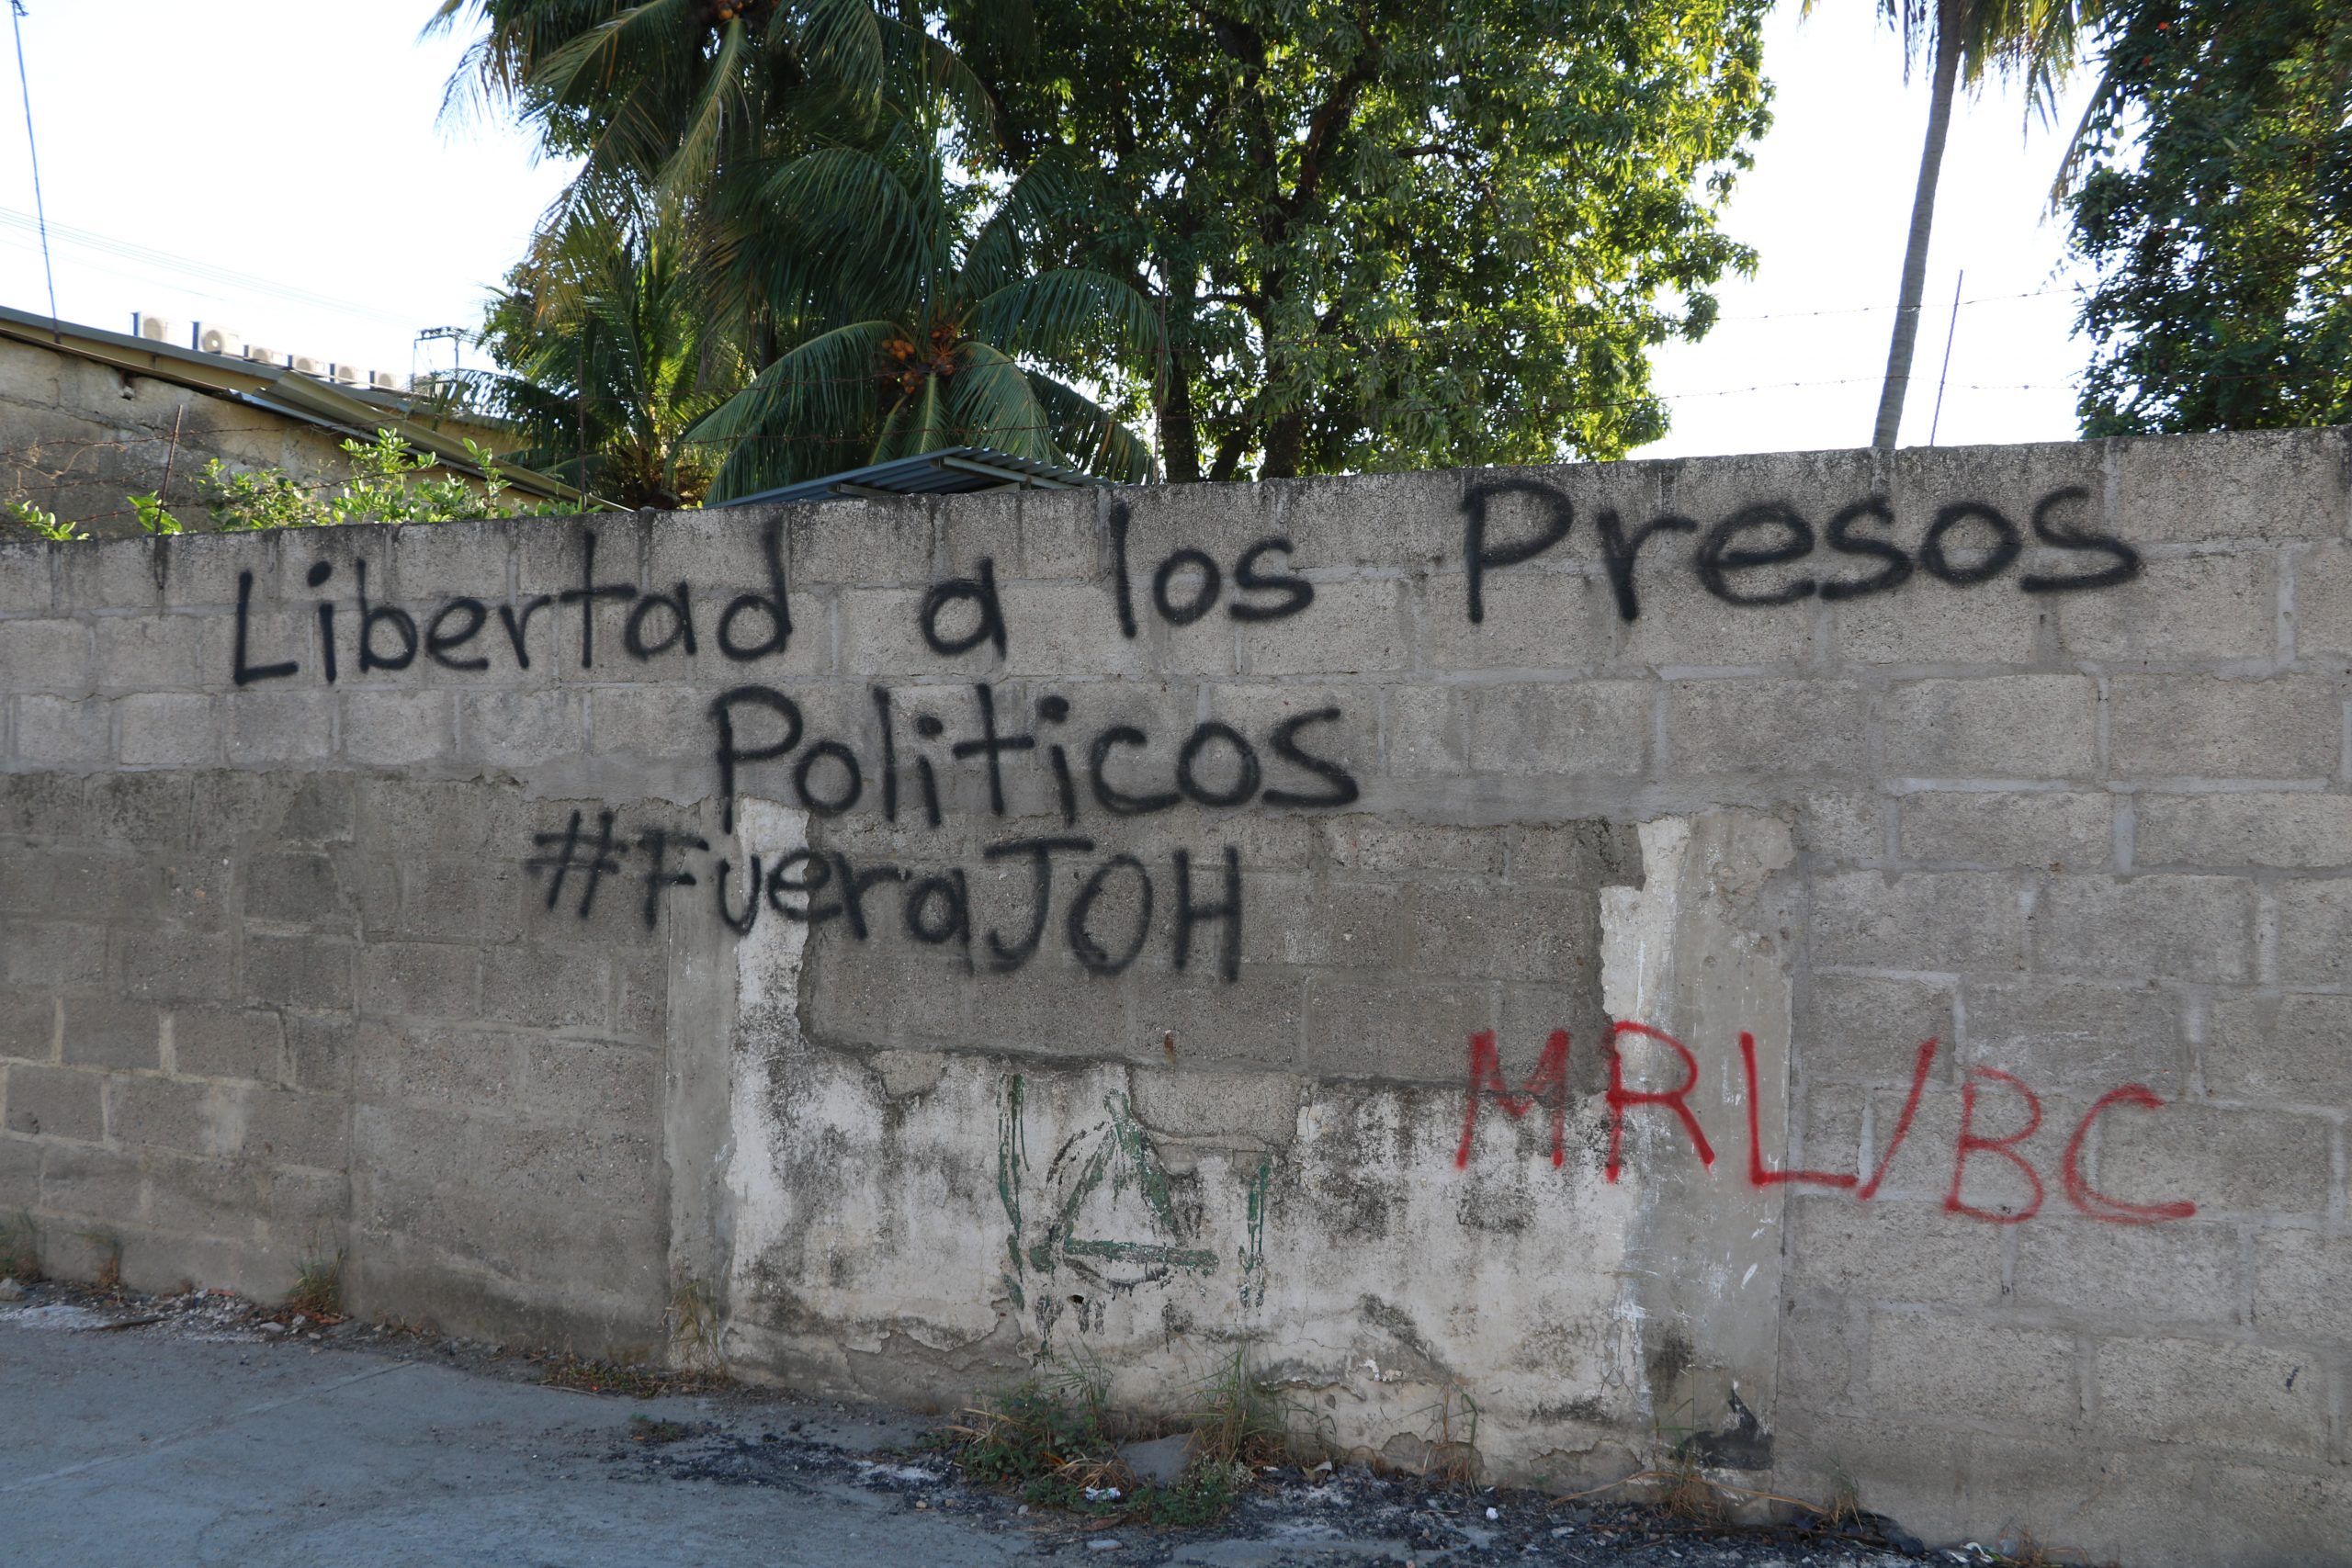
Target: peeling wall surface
(1835, 963)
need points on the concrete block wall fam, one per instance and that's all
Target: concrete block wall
(1831, 958)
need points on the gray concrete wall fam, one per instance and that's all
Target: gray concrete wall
(1832, 961)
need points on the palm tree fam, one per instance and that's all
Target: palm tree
(610, 350)
(667, 92)
(930, 321)
(1965, 39)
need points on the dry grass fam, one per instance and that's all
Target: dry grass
(318, 1290)
(694, 1330)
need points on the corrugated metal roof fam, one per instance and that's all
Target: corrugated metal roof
(952, 470)
(357, 412)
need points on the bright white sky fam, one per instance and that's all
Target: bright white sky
(277, 166)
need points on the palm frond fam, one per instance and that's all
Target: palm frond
(1069, 314)
(993, 405)
(1095, 440)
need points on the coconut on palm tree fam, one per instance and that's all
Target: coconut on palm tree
(926, 320)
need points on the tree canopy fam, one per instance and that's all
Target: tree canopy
(1391, 233)
(2216, 208)
(1308, 236)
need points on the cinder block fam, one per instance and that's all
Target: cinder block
(419, 980)
(164, 652)
(2268, 1512)
(590, 1083)
(452, 561)
(1846, 826)
(2065, 1035)
(51, 954)
(444, 899)
(62, 732)
(2284, 1050)
(112, 574)
(2112, 1275)
(1360, 627)
(2225, 1162)
(515, 730)
(2163, 927)
(1682, 626)
(887, 542)
(1211, 1025)
(2180, 607)
(2022, 727)
(27, 577)
(38, 807)
(1938, 1365)
(1574, 727)
(1586, 853)
(1061, 534)
(1925, 623)
(1456, 926)
(2323, 589)
(287, 1128)
(148, 810)
(273, 727)
(163, 1113)
(19, 1174)
(100, 1032)
(52, 1102)
(398, 816)
(1413, 520)
(188, 1197)
(29, 1025)
(306, 972)
(1425, 730)
(2049, 830)
(2315, 924)
(200, 571)
(544, 986)
(1371, 1026)
(45, 656)
(168, 730)
(2244, 484)
(2202, 726)
(1768, 726)
(2258, 829)
(1369, 845)
(2298, 1292)
(1554, 621)
(395, 729)
(86, 1183)
(228, 1043)
(1941, 921)
(321, 1051)
(462, 1069)
(1883, 1252)
(641, 997)
(1865, 1029)
(1061, 630)
(165, 965)
(2239, 1397)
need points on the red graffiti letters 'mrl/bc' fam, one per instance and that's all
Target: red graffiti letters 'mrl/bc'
(1548, 1086)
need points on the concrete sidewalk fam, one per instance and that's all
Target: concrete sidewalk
(140, 1448)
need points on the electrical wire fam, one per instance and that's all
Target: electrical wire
(32, 147)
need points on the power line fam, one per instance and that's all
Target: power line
(162, 261)
(32, 148)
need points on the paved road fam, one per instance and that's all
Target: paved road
(140, 1448)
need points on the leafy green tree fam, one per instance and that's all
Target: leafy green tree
(942, 322)
(1963, 40)
(2216, 207)
(610, 347)
(1389, 233)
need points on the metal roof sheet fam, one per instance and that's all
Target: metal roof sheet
(950, 470)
